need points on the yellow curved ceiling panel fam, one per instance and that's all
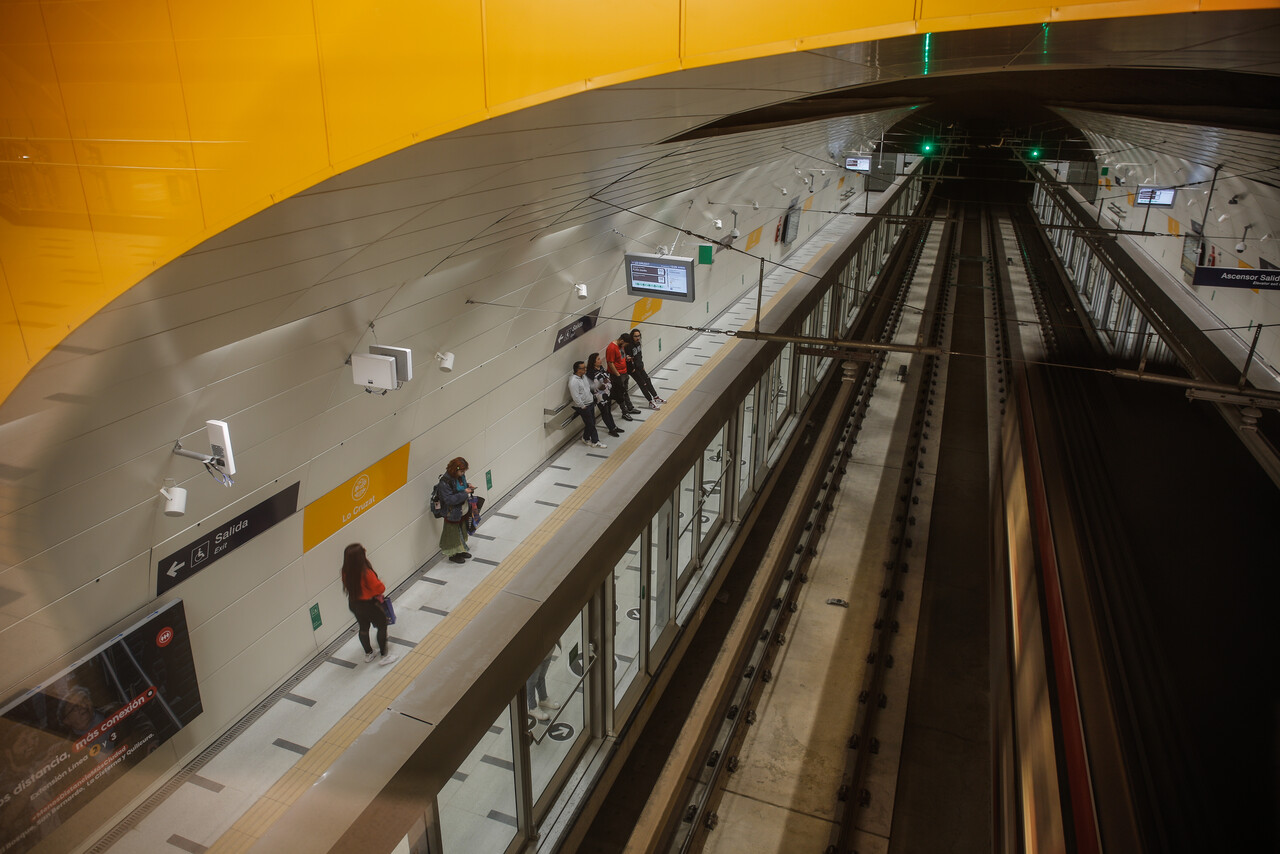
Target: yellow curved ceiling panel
(132, 130)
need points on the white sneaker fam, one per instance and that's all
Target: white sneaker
(387, 659)
(539, 715)
(549, 704)
(599, 445)
(653, 404)
(587, 442)
(370, 656)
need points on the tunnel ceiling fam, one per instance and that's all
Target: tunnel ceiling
(1001, 102)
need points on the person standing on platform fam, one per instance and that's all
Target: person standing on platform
(602, 387)
(617, 364)
(635, 368)
(364, 591)
(536, 690)
(455, 495)
(584, 403)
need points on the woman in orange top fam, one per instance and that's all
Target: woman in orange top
(364, 597)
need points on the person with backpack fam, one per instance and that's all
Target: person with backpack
(364, 594)
(454, 495)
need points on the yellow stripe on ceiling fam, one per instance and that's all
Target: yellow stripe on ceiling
(135, 129)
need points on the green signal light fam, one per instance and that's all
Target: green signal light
(1035, 153)
(928, 147)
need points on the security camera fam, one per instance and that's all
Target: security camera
(1240, 246)
(735, 234)
(784, 191)
(580, 290)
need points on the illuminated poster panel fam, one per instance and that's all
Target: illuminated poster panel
(63, 743)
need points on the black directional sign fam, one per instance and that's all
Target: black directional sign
(561, 731)
(227, 537)
(633, 614)
(577, 329)
(1236, 277)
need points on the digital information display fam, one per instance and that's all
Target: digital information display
(660, 276)
(1155, 196)
(66, 741)
(858, 164)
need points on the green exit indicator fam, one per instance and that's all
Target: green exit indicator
(706, 253)
(488, 479)
(315, 616)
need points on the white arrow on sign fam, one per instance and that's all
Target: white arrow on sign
(173, 570)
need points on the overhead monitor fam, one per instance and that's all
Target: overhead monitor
(858, 164)
(1160, 196)
(659, 276)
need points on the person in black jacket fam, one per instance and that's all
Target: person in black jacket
(635, 367)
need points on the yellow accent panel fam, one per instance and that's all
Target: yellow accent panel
(134, 129)
(244, 140)
(645, 308)
(754, 237)
(1175, 227)
(591, 40)
(711, 27)
(427, 64)
(328, 514)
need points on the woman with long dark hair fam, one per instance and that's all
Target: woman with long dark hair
(364, 597)
(455, 495)
(598, 377)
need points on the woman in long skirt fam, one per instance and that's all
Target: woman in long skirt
(455, 494)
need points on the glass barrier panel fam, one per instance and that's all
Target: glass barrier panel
(713, 477)
(746, 446)
(687, 514)
(478, 804)
(555, 694)
(661, 583)
(626, 621)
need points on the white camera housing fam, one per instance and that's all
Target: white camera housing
(370, 371)
(220, 446)
(175, 501)
(403, 357)
(1240, 247)
(580, 290)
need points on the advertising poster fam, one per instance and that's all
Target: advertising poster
(63, 743)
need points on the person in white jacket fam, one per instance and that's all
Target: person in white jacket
(584, 403)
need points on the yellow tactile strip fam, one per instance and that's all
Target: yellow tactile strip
(256, 820)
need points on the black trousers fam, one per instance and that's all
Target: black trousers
(369, 612)
(621, 393)
(588, 415)
(606, 415)
(644, 383)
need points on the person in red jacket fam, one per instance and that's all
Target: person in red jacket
(364, 597)
(615, 359)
